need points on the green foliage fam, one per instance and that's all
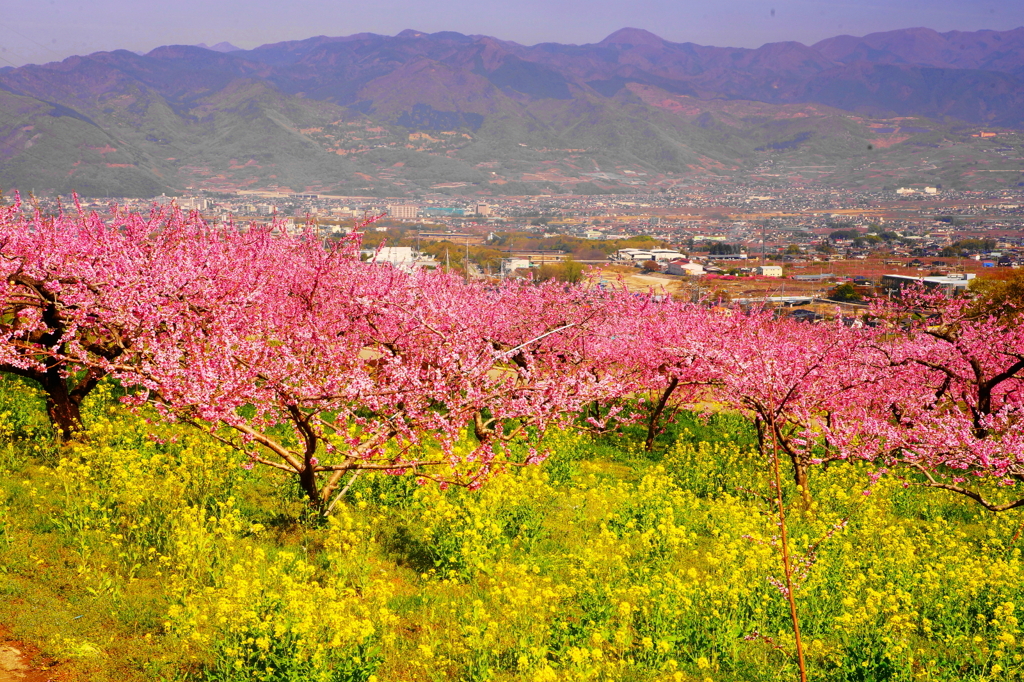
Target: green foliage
(867, 240)
(964, 247)
(845, 292)
(577, 247)
(844, 234)
(1004, 297)
(723, 249)
(567, 270)
(447, 251)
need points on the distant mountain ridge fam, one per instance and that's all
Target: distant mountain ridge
(983, 50)
(405, 113)
(223, 46)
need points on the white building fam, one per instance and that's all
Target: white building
(768, 270)
(666, 255)
(195, 204)
(680, 267)
(510, 265)
(949, 284)
(660, 255)
(402, 257)
(403, 211)
(633, 254)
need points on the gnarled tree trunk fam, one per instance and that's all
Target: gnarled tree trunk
(64, 409)
(659, 409)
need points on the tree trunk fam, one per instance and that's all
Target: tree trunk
(64, 409)
(800, 467)
(659, 409)
(65, 412)
(307, 480)
(800, 470)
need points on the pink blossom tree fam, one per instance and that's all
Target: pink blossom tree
(954, 405)
(369, 367)
(72, 292)
(804, 385)
(672, 351)
(253, 328)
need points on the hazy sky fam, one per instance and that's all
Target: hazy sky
(36, 31)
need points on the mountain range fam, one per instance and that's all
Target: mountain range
(368, 114)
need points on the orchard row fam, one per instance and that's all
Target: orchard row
(311, 361)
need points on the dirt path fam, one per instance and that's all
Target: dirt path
(13, 667)
(15, 662)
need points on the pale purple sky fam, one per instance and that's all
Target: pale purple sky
(37, 31)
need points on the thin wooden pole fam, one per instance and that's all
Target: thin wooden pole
(787, 566)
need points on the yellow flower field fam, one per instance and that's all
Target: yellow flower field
(145, 551)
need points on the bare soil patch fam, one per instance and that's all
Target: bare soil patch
(22, 662)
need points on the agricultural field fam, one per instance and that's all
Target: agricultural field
(234, 453)
(148, 550)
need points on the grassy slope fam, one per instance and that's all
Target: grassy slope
(146, 552)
